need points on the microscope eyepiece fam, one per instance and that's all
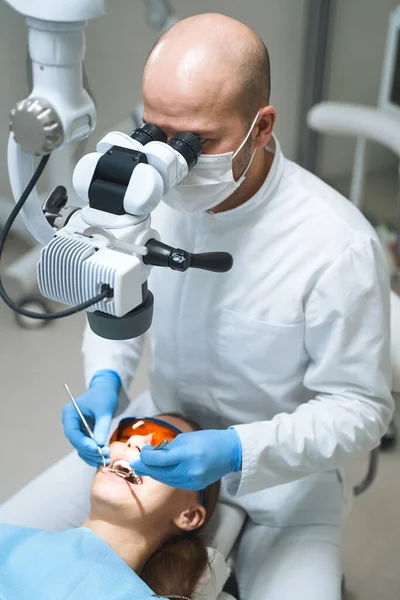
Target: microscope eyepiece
(148, 133)
(188, 145)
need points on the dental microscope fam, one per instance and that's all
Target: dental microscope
(97, 258)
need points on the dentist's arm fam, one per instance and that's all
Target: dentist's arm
(347, 320)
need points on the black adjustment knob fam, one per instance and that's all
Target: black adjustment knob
(179, 260)
(162, 255)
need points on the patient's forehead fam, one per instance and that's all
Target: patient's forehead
(177, 422)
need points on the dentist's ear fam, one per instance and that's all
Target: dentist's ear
(264, 127)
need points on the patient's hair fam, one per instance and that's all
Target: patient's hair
(177, 566)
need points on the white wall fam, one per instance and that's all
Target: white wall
(353, 75)
(118, 45)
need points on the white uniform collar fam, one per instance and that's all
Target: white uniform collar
(265, 192)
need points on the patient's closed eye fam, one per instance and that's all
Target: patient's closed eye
(138, 441)
(130, 445)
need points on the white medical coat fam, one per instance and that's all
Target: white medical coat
(291, 346)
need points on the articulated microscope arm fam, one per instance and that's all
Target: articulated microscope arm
(58, 110)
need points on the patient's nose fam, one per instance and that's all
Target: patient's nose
(138, 441)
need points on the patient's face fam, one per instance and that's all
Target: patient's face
(153, 502)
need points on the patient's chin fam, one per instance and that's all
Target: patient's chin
(103, 492)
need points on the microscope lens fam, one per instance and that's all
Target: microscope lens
(188, 145)
(148, 133)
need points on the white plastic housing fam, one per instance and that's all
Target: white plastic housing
(56, 46)
(86, 166)
(98, 218)
(62, 10)
(168, 162)
(144, 191)
(117, 138)
(57, 51)
(83, 174)
(130, 233)
(73, 267)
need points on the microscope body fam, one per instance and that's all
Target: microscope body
(103, 244)
(110, 241)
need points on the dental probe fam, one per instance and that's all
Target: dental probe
(90, 432)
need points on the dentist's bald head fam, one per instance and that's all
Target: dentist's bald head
(209, 75)
(209, 60)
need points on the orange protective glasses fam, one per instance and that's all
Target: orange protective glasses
(160, 430)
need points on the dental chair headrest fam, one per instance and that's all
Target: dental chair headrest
(220, 535)
(224, 527)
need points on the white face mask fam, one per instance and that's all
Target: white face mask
(209, 183)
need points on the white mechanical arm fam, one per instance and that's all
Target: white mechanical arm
(58, 110)
(97, 258)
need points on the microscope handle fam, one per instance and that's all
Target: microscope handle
(219, 262)
(162, 255)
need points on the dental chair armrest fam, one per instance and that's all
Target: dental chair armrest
(343, 118)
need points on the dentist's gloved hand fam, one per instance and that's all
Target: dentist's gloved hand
(98, 406)
(194, 460)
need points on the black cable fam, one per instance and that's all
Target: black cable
(3, 237)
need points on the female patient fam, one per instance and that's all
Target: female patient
(138, 541)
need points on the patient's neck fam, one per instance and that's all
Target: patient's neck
(131, 545)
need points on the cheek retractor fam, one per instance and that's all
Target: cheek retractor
(129, 476)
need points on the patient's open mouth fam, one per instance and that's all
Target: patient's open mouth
(122, 468)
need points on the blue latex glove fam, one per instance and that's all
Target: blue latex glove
(194, 460)
(98, 406)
